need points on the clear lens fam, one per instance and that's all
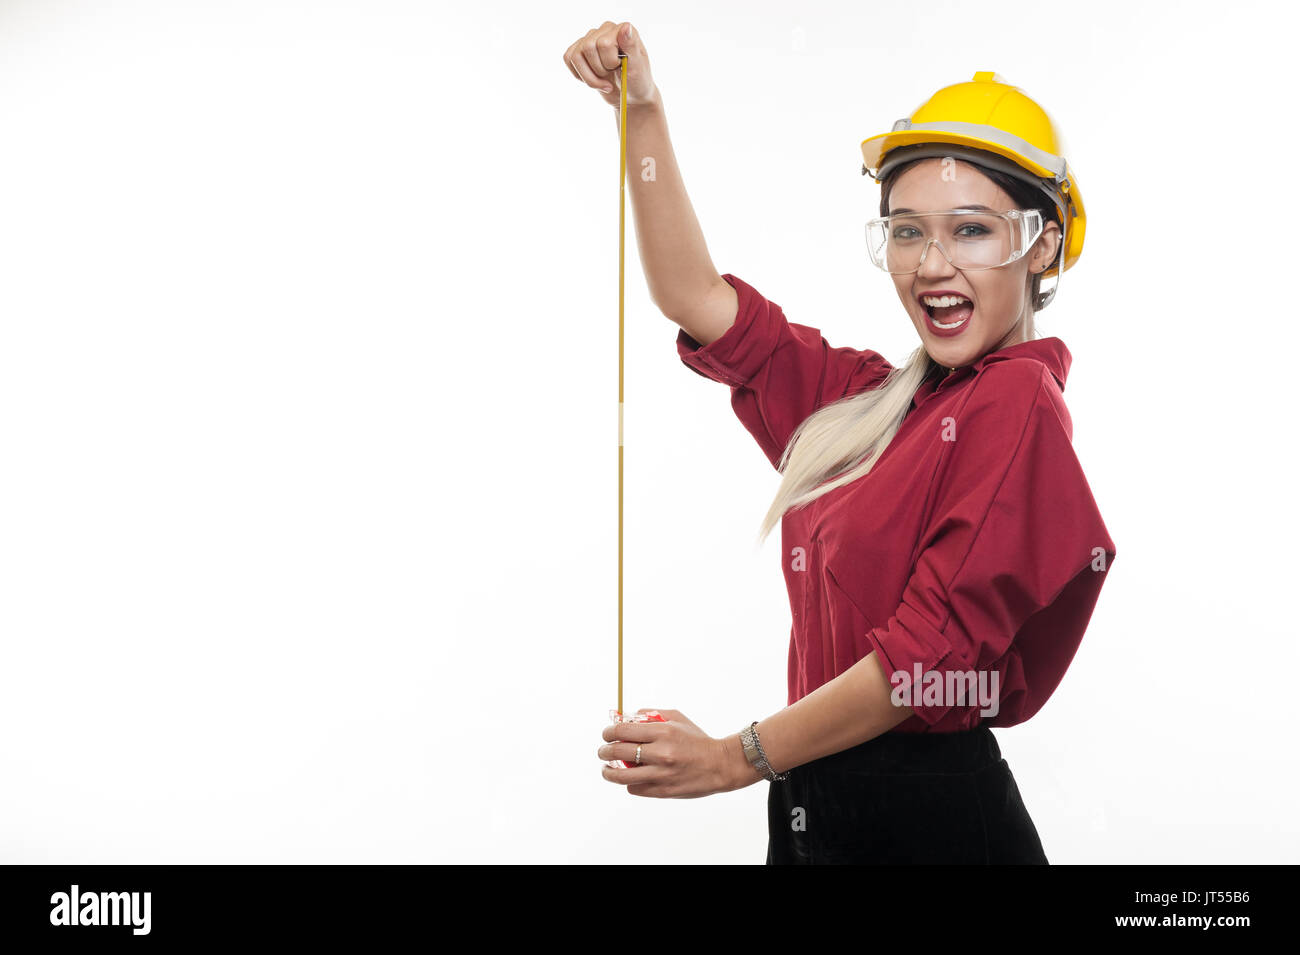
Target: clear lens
(969, 240)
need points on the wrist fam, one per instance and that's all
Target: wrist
(738, 771)
(752, 744)
(653, 104)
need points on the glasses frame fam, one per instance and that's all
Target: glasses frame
(1031, 229)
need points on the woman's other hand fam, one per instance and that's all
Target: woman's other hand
(678, 759)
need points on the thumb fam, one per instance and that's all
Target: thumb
(627, 41)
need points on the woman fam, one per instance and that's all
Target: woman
(941, 547)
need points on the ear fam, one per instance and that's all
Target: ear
(1048, 245)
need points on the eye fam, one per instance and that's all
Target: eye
(979, 231)
(905, 232)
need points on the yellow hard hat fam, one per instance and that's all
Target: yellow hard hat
(995, 125)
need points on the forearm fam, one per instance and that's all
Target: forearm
(678, 269)
(850, 709)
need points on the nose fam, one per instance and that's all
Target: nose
(934, 261)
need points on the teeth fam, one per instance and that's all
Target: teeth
(944, 301)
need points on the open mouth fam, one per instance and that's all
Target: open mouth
(949, 311)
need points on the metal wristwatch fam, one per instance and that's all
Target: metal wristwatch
(754, 753)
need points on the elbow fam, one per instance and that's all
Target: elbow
(705, 315)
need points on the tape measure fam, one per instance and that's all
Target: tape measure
(622, 177)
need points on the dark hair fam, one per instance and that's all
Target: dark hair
(1023, 194)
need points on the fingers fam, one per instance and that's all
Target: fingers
(636, 774)
(588, 58)
(580, 66)
(606, 44)
(627, 753)
(632, 732)
(661, 753)
(594, 59)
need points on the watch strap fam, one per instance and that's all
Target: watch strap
(754, 753)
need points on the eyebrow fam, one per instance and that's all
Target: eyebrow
(974, 206)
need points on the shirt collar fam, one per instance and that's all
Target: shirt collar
(1049, 351)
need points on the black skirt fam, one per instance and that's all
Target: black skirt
(929, 798)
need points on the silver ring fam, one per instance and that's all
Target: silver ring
(638, 755)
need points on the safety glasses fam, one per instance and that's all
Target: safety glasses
(970, 239)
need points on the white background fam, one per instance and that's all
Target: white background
(308, 384)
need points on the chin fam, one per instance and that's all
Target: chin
(957, 350)
(949, 354)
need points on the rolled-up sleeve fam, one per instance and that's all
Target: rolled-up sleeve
(779, 372)
(1012, 562)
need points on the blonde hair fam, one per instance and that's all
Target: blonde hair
(844, 439)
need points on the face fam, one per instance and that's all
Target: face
(1002, 313)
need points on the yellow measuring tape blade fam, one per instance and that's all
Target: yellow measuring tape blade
(622, 176)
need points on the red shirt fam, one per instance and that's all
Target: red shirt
(974, 543)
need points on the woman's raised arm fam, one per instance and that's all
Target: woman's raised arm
(680, 275)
